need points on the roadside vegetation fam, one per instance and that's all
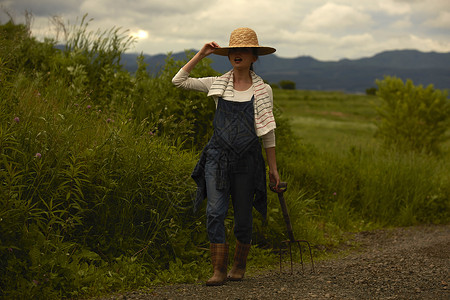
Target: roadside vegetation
(95, 163)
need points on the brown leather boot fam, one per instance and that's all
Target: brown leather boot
(240, 262)
(219, 259)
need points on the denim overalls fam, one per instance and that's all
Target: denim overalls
(232, 164)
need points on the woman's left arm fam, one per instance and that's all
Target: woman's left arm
(270, 149)
(272, 162)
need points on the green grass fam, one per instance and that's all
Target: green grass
(343, 167)
(333, 120)
(329, 120)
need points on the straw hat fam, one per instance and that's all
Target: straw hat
(244, 38)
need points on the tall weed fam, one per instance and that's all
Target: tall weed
(86, 188)
(373, 185)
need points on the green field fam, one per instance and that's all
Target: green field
(369, 183)
(329, 120)
(332, 120)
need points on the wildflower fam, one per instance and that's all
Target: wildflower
(10, 249)
(35, 282)
(88, 107)
(16, 119)
(38, 155)
(109, 120)
(150, 133)
(334, 194)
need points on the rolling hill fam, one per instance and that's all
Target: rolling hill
(353, 76)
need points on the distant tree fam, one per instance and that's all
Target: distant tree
(372, 91)
(287, 85)
(412, 117)
(274, 86)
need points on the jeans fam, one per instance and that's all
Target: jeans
(241, 188)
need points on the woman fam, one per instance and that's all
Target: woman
(232, 164)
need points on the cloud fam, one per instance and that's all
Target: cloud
(430, 7)
(395, 7)
(402, 24)
(332, 16)
(359, 40)
(143, 9)
(410, 41)
(324, 29)
(428, 44)
(45, 8)
(441, 21)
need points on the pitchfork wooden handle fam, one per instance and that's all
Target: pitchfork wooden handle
(282, 187)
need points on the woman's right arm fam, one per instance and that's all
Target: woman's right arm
(182, 79)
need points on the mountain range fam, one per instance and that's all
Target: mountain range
(348, 75)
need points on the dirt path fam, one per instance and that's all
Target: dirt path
(401, 263)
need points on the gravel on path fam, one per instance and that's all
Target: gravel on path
(399, 263)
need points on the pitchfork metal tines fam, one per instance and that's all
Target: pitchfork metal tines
(282, 187)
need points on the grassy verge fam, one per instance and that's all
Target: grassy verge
(341, 179)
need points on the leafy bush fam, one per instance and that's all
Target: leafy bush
(86, 181)
(86, 188)
(176, 112)
(372, 91)
(96, 56)
(412, 117)
(21, 52)
(287, 84)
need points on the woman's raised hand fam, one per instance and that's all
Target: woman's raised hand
(208, 48)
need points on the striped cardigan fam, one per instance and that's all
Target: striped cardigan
(264, 119)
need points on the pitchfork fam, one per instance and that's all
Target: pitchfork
(282, 187)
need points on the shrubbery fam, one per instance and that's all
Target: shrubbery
(412, 117)
(94, 166)
(287, 85)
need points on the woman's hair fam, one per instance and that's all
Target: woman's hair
(255, 53)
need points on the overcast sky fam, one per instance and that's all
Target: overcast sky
(325, 30)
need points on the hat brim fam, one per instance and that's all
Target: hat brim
(223, 51)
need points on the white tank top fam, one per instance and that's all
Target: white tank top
(241, 96)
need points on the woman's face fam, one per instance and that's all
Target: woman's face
(241, 57)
